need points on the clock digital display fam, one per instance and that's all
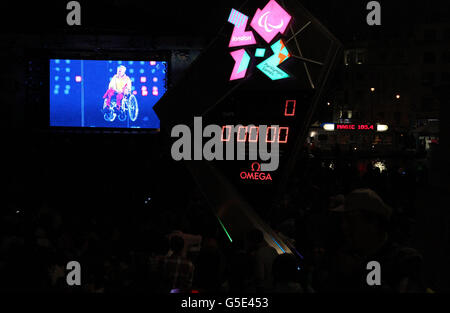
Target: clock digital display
(265, 72)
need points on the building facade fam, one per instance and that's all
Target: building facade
(389, 80)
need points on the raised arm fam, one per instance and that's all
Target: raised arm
(128, 86)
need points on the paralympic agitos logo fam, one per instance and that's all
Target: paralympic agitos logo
(268, 23)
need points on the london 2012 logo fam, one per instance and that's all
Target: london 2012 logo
(267, 23)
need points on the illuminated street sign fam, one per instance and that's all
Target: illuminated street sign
(333, 127)
(354, 127)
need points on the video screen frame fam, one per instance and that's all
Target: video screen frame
(38, 114)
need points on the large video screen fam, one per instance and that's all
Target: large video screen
(106, 93)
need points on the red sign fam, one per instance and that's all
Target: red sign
(355, 127)
(255, 174)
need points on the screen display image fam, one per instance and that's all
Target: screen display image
(106, 93)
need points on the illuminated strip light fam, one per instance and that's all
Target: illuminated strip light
(382, 128)
(328, 127)
(270, 66)
(291, 105)
(242, 59)
(225, 230)
(278, 245)
(298, 253)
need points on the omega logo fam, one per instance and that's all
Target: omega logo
(256, 173)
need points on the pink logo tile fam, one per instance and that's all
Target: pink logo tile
(242, 60)
(270, 21)
(240, 37)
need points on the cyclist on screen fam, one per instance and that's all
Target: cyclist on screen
(120, 84)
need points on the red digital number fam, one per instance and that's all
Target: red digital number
(223, 133)
(289, 109)
(242, 129)
(283, 135)
(273, 134)
(253, 133)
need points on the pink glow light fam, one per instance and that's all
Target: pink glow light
(270, 21)
(143, 79)
(240, 37)
(242, 60)
(78, 79)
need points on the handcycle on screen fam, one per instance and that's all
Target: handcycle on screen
(128, 109)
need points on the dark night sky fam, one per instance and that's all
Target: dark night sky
(343, 18)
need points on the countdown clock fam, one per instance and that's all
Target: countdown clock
(268, 66)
